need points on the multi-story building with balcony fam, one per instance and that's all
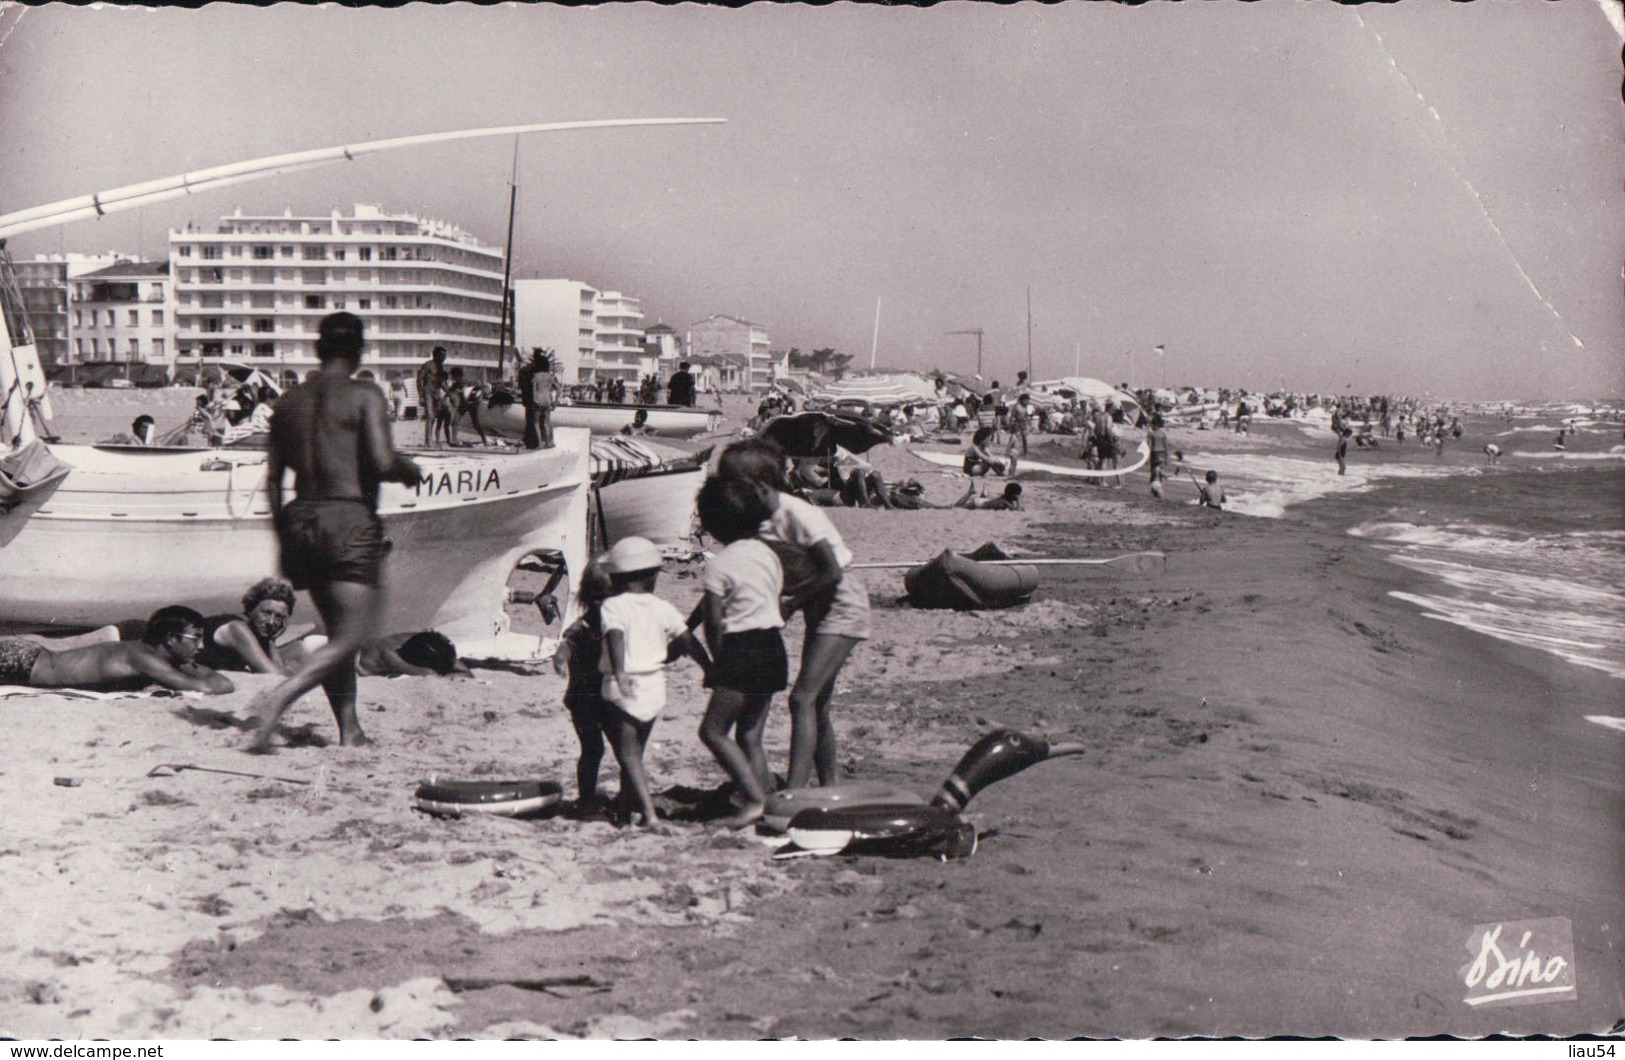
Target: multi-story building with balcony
(620, 339)
(122, 314)
(252, 290)
(738, 340)
(594, 335)
(43, 283)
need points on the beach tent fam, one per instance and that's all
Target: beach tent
(1084, 387)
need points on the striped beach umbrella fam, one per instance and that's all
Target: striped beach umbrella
(875, 390)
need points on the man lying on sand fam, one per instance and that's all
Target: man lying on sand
(166, 655)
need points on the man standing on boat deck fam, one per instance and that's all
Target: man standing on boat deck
(333, 432)
(432, 379)
(536, 386)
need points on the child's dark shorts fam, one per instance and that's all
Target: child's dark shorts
(751, 661)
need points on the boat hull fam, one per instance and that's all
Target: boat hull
(667, 421)
(128, 531)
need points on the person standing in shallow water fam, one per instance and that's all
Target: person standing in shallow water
(332, 431)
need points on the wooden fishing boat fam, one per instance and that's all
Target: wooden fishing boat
(129, 530)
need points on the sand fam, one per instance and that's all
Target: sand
(1299, 799)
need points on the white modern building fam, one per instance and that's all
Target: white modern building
(121, 314)
(594, 335)
(252, 290)
(43, 283)
(738, 342)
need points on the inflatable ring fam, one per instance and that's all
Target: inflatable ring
(885, 831)
(501, 798)
(784, 805)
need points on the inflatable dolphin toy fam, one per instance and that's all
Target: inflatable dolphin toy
(887, 821)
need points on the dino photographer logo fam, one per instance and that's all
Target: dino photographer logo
(1520, 962)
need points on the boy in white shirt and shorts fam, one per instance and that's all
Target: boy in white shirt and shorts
(640, 632)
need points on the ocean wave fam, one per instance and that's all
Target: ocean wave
(1592, 644)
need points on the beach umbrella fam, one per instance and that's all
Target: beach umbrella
(819, 432)
(876, 390)
(1085, 387)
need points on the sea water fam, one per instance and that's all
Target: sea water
(1529, 549)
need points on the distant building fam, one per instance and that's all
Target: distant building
(43, 283)
(662, 342)
(736, 339)
(721, 372)
(122, 314)
(594, 335)
(253, 288)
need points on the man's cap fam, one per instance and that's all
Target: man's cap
(631, 554)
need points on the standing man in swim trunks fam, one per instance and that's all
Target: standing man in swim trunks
(432, 379)
(333, 432)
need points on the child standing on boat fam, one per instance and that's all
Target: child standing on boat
(640, 632)
(743, 583)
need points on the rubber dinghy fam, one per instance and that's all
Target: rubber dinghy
(884, 821)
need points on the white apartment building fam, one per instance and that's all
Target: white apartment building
(121, 314)
(620, 339)
(594, 335)
(43, 284)
(252, 290)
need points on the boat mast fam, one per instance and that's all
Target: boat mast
(507, 261)
(1029, 332)
(875, 344)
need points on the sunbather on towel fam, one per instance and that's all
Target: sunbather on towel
(166, 655)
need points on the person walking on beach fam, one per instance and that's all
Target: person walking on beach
(1342, 453)
(332, 431)
(1157, 440)
(432, 376)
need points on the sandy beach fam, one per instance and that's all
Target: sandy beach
(1300, 797)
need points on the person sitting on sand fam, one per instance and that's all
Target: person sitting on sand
(743, 623)
(247, 642)
(1209, 494)
(166, 655)
(1009, 501)
(978, 461)
(641, 631)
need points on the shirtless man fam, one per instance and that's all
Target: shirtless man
(333, 432)
(166, 655)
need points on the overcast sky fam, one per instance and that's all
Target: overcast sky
(1407, 198)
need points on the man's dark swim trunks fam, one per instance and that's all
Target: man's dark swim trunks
(17, 661)
(332, 541)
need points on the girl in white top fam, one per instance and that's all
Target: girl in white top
(640, 632)
(743, 584)
(834, 600)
